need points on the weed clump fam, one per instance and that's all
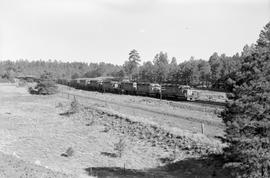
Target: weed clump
(59, 105)
(120, 146)
(89, 116)
(68, 153)
(73, 109)
(74, 106)
(45, 86)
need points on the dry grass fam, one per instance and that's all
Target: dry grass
(34, 130)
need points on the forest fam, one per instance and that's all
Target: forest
(217, 72)
(211, 73)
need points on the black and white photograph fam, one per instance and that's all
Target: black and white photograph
(134, 88)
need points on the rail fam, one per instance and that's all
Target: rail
(70, 95)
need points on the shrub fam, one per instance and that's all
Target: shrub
(74, 106)
(46, 86)
(89, 116)
(22, 83)
(120, 146)
(69, 152)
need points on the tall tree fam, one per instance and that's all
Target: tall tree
(173, 71)
(161, 67)
(131, 66)
(215, 64)
(146, 72)
(247, 118)
(205, 72)
(264, 40)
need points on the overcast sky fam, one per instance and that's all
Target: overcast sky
(106, 30)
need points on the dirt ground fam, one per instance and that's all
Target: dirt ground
(187, 116)
(35, 133)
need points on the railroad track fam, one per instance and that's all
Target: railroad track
(71, 95)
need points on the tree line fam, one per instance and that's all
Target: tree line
(211, 73)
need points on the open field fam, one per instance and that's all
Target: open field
(159, 138)
(187, 116)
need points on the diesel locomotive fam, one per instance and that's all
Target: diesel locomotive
(167, 90)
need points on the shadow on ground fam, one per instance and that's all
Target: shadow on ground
(67, 113)
(112, 155)
(204, 167)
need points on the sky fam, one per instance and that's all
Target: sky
(107, 30)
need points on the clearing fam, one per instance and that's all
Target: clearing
(161, 138)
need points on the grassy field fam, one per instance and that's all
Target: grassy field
(37, 130)
(186, 116)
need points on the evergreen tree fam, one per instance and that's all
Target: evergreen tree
(131, 66)
(161, 67)
(46, 85)
(247, 118)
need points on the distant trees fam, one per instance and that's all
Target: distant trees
(204, 69)
(196, 72)
(75, 75)
(146, 72)
(57, 69)
(173, 71)
(219, 72)
(247, 118)
(9, 74)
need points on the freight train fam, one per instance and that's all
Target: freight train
(164, 91)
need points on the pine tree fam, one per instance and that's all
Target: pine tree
(132, 64)
(247, 118)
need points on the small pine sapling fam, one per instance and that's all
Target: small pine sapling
(120, 146)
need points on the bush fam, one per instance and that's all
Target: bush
(74, 106)
(46, 86)
(3, 80)
(120, 146)
(22, 83)
(73, 109)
